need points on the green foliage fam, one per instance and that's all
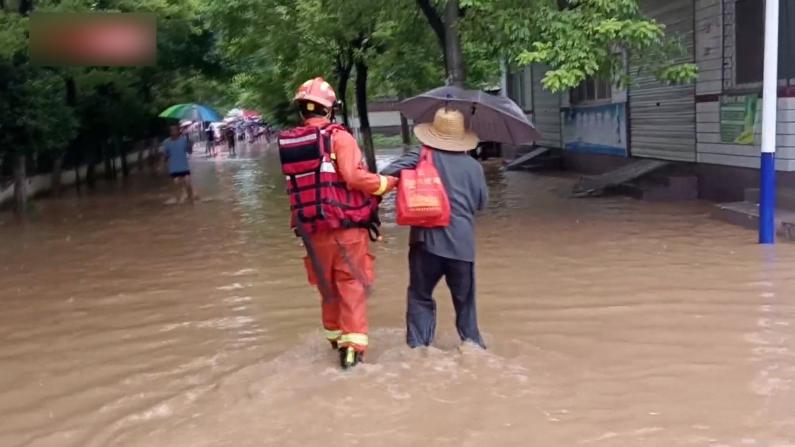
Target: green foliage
(105, 103)
(12, 34)
(585, 39)
(254, 53)
(33, 110)
(411, 61)
(308, 38)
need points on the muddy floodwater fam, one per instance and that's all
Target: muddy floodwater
(611, 322)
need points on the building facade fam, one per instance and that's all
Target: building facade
(714, 122)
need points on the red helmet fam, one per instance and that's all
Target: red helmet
(318, 91)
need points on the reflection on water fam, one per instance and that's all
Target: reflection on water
(611, 322)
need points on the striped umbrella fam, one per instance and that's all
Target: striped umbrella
(195, 112)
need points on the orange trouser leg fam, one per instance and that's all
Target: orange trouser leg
(330, 310)
(320, 271)
(353, 275)
(344, 261)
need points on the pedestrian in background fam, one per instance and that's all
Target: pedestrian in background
(176, 149)
(229, 132)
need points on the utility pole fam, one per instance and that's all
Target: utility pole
(767, 170)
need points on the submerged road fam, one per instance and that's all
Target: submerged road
(610, 322)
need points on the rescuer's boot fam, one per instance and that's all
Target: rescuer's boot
(349, 357)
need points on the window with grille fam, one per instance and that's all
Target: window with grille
(749, 40)
(520, 88)
(591, 90)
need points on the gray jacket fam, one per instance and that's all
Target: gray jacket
(465, 183)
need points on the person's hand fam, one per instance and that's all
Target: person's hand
(391, 183)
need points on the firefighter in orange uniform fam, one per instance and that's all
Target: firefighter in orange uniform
(334, 209)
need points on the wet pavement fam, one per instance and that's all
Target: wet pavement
(610, 322)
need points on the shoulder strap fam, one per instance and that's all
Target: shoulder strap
(333, 128)
(327, 132)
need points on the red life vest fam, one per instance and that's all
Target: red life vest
(319, 198)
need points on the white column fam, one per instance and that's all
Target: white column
(767, 195)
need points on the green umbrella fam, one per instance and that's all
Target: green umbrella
(195, 112)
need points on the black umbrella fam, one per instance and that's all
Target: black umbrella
(492, 118)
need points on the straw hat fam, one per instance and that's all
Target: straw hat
(447, 132)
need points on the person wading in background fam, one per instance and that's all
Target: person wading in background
(449, 251)
(334, 204)
(229, 132)
(210, 135)
(176, 149)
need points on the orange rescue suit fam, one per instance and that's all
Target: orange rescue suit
(344, 254)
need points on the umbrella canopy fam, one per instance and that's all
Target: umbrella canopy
(235, 112)
(195, 112)
(492, 118)
(243, 113)
(251, 114)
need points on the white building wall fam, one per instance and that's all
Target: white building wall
(715, 49)
(709, 57)
(42, 183)
(712, 150)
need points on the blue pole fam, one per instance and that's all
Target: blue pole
(767, 169)
(767, 199)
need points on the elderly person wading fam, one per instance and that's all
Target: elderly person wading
(449, 251)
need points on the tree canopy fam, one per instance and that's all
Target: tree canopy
(254, 53)
(576, 39)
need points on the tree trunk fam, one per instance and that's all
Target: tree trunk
(20, 183)
(140, 147)
(405, 133)
(153, 157)
(106, 160)
(364, 120)
(78, 182)
(455, 58)
(125, 170)
(91, 174)
(503, 77)
(25, 7)
(71, 91)
(55, 182)
(437, 25)
(113, 153)
(344, 76)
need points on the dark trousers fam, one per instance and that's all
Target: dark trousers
(426, 269)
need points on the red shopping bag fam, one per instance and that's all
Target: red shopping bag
(421, 198)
